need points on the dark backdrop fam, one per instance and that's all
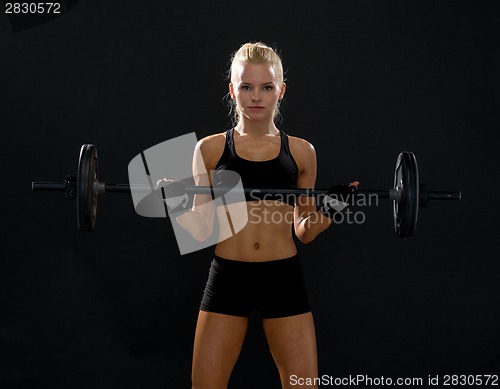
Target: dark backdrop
(117, 308)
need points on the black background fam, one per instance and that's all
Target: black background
(117, 308)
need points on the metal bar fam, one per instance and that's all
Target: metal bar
(121, 188)
(259, 191)
(126, 188)
(60, 186)
(438, 195)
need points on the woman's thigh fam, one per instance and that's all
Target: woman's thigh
(292, 341)
(217, 345)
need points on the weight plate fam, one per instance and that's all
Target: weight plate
(86, 195)
(406, 183)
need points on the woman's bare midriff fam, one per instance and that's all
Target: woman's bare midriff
(267, 236)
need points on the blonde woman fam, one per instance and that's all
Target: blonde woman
(257, 269)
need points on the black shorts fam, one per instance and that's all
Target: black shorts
(274, 288)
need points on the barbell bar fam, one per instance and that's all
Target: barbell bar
(407, 195)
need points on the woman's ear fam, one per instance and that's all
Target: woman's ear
(282, 92)
(231, 91)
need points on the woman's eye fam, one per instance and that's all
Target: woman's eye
(268, 87)
(245, 87)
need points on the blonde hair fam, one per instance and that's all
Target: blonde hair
(256, 53)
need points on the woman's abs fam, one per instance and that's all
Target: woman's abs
(266, 236)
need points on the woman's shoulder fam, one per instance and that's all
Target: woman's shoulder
(211, 147)
(301, 147)
(212, 142)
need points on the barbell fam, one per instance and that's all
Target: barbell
(407, 194)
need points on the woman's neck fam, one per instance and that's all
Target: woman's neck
(246, 127)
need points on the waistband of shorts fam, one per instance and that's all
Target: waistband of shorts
(275, 263)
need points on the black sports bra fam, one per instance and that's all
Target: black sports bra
(279, 172)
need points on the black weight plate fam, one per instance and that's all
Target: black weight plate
(406, 181)
(86, 192)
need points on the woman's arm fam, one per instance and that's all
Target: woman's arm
(308, 223)
(199, 220)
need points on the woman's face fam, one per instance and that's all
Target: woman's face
(256, 90)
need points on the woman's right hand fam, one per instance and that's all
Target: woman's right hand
(173, 193)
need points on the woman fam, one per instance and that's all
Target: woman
(257, 268)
